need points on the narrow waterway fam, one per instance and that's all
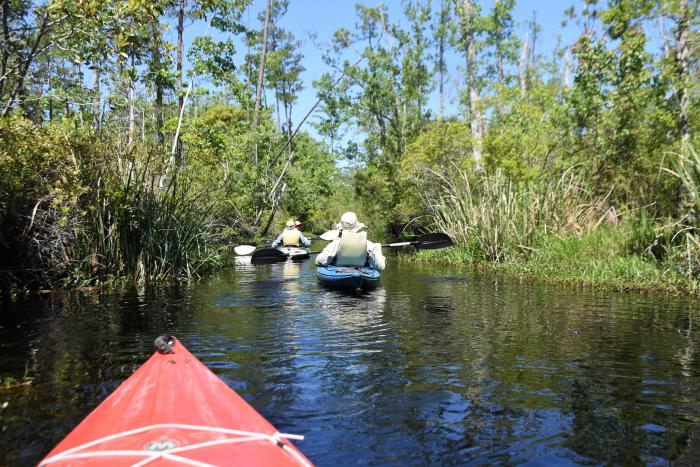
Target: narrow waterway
(437, 366)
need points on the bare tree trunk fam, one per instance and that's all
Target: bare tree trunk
(49, 84)
(441, 59)
(160, 138)
(682, 56)
(261, 66)
(277, 111)
(499, 53)
(96, 96)
(476, 127)
(665, 36)
(131, 107)
(531, 50)
(5, 42)
(180, 50)
(275, 205)
(472, 84)
(158, 82)
(566, 68)
(131, 120)
(180, 53)
(288, 114)
(522, 67)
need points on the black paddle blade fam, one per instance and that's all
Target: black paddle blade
(433, 241)
(267, 255)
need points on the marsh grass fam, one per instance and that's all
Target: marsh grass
(597, 259)
(686, 231)
(496, 219)
(560, 233)
(140, 230)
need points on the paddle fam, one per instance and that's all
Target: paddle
(268, 255)
(431, 241)
(244, 250)
(330, 235)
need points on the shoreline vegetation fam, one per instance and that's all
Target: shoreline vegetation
(127, 157)
(562, 233)
(628, 273)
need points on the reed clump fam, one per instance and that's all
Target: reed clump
(498, 219)
(143, 228)
(685, 256)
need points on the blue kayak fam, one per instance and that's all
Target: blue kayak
(345, 277)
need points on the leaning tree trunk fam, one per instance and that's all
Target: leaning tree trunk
(96, 96)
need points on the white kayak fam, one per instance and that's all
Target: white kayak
(294, 252)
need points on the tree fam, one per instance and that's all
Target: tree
(501, 39)
(261, 64)
(470, 28)
(441, 33)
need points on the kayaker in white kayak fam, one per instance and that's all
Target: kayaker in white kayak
(352, 248)
(291, 236)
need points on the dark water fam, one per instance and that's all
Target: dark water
(437, 366)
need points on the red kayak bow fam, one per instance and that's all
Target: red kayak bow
(175, 411)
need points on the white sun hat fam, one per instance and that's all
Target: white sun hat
(348, 221)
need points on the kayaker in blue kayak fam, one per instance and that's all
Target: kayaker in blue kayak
(352, 248)
(291, 236)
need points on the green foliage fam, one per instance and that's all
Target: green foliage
(440, 148)
(522, 140)
(311, 182)
(620, 115)
(221, 145)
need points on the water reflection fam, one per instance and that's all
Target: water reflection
(436, 366)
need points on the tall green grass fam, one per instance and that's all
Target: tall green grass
(686, 257)
(140, 230)
(498, 219)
